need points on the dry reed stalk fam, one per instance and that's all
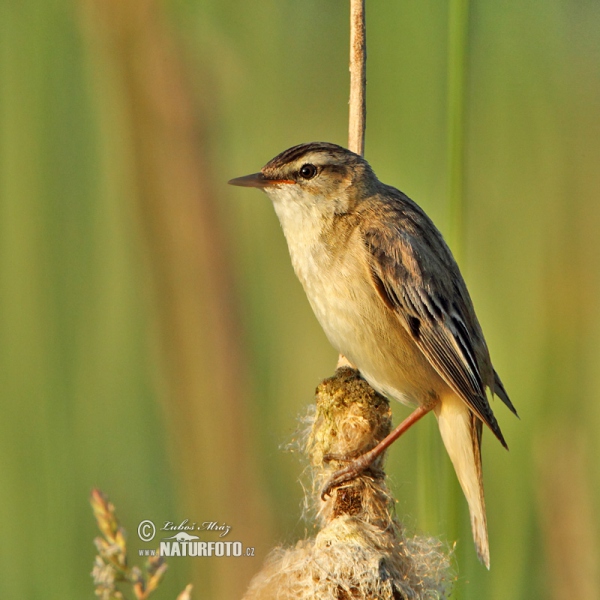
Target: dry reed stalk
(358, 77)
(361, 550)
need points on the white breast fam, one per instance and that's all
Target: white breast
(354, 318)
(326, 279)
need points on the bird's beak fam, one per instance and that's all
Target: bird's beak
(257, 180)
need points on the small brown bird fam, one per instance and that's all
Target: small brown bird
(389, 295)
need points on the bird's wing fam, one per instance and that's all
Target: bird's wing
(415, 275)
(500, 391)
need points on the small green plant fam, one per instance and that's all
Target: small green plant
(110, 565)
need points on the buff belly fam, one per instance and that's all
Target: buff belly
(367, 332)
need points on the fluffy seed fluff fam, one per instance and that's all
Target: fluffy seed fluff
(361, 550)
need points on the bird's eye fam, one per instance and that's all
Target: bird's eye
(308, 171)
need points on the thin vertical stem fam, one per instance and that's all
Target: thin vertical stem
(358, 77)
(457, 79)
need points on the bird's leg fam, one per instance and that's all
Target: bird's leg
(356, 467)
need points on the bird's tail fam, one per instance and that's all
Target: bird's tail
(461, 432)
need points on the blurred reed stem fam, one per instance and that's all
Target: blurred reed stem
(458, 37)
(439, 494)
(458, 42)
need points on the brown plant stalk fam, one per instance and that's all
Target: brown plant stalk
(358, 77)
(360, 550)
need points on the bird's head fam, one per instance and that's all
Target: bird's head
(320, 175)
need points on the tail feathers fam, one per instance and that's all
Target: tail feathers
(461, 433)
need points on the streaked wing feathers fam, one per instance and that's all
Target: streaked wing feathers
(435, 310)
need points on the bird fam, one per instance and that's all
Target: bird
(390, 297)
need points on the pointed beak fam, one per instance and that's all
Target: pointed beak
(257, 180)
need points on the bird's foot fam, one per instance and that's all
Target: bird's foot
(356, 467)
(327, 458)
(349, 472)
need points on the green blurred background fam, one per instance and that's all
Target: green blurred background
(154, 340)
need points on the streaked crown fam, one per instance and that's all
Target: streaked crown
(308, 161)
